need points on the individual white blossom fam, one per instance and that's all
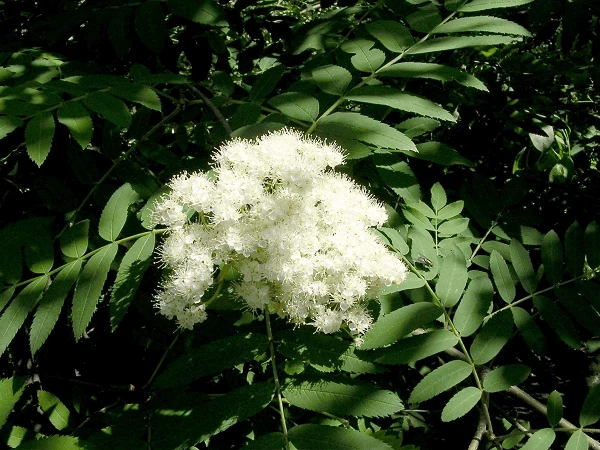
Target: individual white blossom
(298, 234)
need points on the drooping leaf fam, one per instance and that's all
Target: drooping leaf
(461, 403)
(114, 214)
(531, 333)
(206, 12)
(453, 278)
(558, 321)
(150, 25)
(360, 400)
(399, 323)
(179, 428)
(415, 348)
(393, 35)
(8, 124)
(297, 106)
(74, 241)
(89, 287)
(554, 406)
(311, 437)
(138, 94)
(590, 411)
(501, 276)
(574, 249)
(482, 5)
(38, 137)
(440, 380)
(577, 441)
(540, 440)
(129, 276)
(266, 83)
(456, 42)
(47, 313)
(552, 257)
(492, 337)
(503, 377)
(592, 244)
(216, 357)
(521, 262)
(474, 305)
(332, 79)
(366, 58)
(394, 98)
(432, 71)
(363, 128)
(76, 118)
(14, 315)
(11, 390)
(57, 413)
(482, 24)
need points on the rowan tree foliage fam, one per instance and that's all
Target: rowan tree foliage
(464, 308)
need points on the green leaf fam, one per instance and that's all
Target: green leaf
(297, 106)
(521, 262)
(109, 107)
(531, 333)
(492, 337)
(415, 348)
(440, 380)
(592, 244)
(363, 128)
(417, 218)
(74, 241)
(474, 305)
(482, 5)
(57, 412)
(450, 210)
(179, 428)
(394, 98)
(365, 59)
(8, 124)
(129, 276)
(138, 94)
(342, 399)
(14, 316)
(453, 43)
(270, 441)
(582, 311)
(266, 83)
(393, 35)
(51, 304)
(558, 321)
(399, 323)
(438, 196)
(440, 154)
(461, 403)
(482, 24)
(216, 357)
(417, 126)
(425, 19)
(432, 71)
(453, 227)
(501, 277)
(590, 411)
(5, 297)
(76, 118)
(554, 406)
(422, 244)
(453, 278)
(38, 136)
(574, 249)
(503, 377)
(89, 287)
(577, 441)
(150, 25)
(206, 12)
(114, 214)
(395, 239)
(332, 79)
(398, 176)
(540, 440)
(311, 437)
(11, 390)
(53, 443)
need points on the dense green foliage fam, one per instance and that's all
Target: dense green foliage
(475, 121)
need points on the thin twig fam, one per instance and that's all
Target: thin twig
(214, 109)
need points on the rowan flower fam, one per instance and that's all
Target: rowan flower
(298, 233)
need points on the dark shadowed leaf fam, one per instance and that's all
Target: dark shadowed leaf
(503, 377)
(311, 437)
(492, 337)
(554, 407)
(38, 137)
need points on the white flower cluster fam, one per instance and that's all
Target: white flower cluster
(297, 232)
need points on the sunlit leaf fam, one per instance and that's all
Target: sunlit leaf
(415, 348)
(76, 118)
(482, 5)
(11, 390)
(74, 241)
(57, 412)
(482, 24)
